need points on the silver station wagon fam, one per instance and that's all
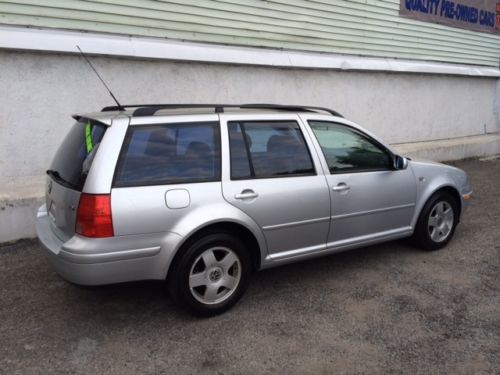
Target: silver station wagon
(203, 195)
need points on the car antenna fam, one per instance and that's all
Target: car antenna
(120, 108)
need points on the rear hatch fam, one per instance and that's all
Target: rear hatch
(68, 172)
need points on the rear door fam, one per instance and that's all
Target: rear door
(273, 177)
(68, 172)
(169, 168)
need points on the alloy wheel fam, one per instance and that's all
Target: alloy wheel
(215, 275)
(440, 222)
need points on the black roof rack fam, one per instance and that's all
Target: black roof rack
(151, 109)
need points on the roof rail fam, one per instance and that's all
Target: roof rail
(151, 109)
(294, 108)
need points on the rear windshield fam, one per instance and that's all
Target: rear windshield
(73, 159)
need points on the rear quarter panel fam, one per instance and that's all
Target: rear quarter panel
(142, 210)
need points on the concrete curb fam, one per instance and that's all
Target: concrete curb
(17, 217)
(452, 149)
(19, 205)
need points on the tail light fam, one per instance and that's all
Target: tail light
(93, 218)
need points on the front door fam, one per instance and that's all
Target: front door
(370, 200)
(273, 178)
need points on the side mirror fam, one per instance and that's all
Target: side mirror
(400, 162)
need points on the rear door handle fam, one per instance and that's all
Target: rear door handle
(246, 194)
(341, 187)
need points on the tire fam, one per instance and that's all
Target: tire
(437, 222)
(210, 275)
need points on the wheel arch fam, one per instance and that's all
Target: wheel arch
(450, 189)
(226, 226)
(455, 194)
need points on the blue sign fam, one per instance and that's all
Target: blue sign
(475, 15)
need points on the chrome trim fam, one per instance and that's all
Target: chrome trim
(368, 238)
(108, 257)
(297, 252)
(340, 187)
(341, 245)
(295, 223)
(246, 196)
(377, 210)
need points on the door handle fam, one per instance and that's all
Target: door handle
(246, 194)
(341, 187)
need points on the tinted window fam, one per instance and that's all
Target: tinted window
(74, 157)
(169, 154)
(346, 149)
(268, 149)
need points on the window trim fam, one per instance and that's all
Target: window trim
(355, 130)
(247, 152)
(126, 143)
(250, 163)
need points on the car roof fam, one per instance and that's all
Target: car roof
(106, 117)
(158, 110)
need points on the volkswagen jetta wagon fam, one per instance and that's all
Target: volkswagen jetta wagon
(202, 195)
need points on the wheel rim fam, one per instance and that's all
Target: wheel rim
(215, 275)
(440, 221)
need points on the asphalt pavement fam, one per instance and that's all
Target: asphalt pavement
(385, 308)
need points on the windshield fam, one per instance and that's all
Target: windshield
(73, 159)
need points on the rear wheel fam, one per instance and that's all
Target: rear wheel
(210, 275)
(437, 222)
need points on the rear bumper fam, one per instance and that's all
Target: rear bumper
(89, 261)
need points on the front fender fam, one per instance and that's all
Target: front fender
(431, 177)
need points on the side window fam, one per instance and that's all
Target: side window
(169, 154)
(266, 149)
(346, 149)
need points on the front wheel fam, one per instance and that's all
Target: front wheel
(437, 222)
(210, 275)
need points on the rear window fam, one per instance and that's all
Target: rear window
(170, 154)
(74, 157)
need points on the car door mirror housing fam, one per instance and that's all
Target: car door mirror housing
(400, 162)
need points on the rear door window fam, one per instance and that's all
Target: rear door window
(74, 157)
(170, 154)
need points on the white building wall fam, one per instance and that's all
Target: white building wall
(40, 91)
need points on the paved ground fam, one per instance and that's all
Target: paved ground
(387, 308)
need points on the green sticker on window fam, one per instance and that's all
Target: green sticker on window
(88, 137)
